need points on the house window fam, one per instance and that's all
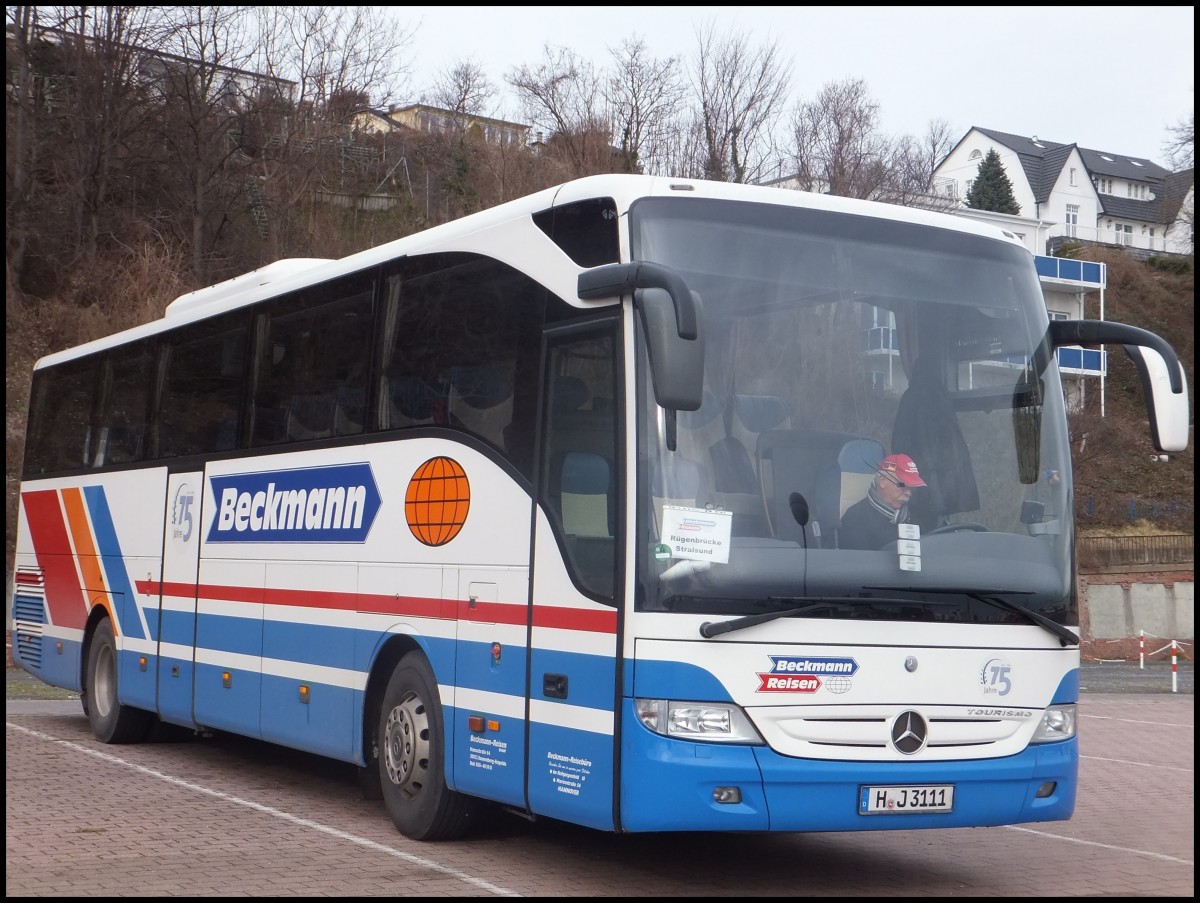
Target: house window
(1072, 176)
(1072, 225)
(1124, 234)
(975, 155)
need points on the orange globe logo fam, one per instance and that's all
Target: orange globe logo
(437, 501)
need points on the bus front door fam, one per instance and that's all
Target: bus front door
(573, 653)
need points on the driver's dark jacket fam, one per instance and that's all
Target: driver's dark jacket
(865, 527)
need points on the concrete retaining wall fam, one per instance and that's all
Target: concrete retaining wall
(1116, 606)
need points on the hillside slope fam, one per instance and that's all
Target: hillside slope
(1118, 481)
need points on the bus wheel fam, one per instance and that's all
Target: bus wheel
(111, 722)
(412, 767)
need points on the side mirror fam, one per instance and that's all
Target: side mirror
(671, 318)
(677, 364)
(1164, 387)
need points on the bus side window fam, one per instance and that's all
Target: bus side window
(61, 435)
(579, 482)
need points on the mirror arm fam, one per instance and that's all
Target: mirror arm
(621, 278)
(1097, 332)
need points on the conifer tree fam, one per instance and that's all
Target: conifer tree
(991, 189)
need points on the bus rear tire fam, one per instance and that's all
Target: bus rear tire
(412, 767)
(111, 722)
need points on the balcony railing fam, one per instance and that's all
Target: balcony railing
(1071, 270)
(1082, 361)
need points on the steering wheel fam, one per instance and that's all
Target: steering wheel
(956, 528)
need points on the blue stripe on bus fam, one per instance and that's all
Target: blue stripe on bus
(676, 680)
(112, 559)
(592, 677)
(1068, 689)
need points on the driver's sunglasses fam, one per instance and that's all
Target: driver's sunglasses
(900, 483)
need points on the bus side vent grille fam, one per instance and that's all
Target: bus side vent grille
(29, 614)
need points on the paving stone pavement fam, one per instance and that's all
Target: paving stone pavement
(226, 816)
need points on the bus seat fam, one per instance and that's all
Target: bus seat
(586, 495)
(793, 461)
(926, 429)
(482, 386)
(588, 510)
(570, 394)
(481, 400)
(676, 482)
(350, 406)
(410, 402)
(735, 474)
(311, 416)
(755, 414)
(843, 484)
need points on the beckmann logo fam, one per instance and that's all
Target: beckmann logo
(797, 674)
(313, 504)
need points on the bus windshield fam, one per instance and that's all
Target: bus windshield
(882, 432)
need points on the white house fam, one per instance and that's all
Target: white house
(1089, 196)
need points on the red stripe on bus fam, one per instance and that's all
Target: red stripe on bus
(65, 601)
(413, 606)
(575, 619)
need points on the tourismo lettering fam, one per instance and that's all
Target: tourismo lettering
(316, 504)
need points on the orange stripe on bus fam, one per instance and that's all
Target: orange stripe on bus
(81, 536)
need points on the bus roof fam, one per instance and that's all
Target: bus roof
(290, 274)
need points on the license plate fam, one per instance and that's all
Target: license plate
(903, 799)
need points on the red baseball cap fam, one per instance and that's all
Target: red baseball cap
(902, 469)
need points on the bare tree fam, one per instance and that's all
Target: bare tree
(838, 146)
(563, 98)
(21, 112)
(914, 163)
(204, 52)
(465, 88)
(1181, 147)
(342, 61)
(645, 99)
(105, 109)
(740, 89)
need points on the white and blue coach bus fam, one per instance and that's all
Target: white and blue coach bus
(541, 509)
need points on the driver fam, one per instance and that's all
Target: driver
(872, 523)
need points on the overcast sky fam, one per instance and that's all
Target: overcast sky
(1112, 78)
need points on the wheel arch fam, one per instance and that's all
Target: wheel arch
(99, 611)
(394, 648)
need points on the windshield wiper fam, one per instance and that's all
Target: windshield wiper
(994, 597)
(1065, 635)
(715, 628)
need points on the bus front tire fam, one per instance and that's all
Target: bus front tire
(111, 722)
(412, 757)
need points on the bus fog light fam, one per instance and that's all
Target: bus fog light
(727, 794)
(1047, 789)
(1057, 724)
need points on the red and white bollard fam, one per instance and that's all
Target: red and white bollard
(1174, 670)
(1142, 649)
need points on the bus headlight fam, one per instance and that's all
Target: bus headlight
(1058, 723)
(711, 722)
